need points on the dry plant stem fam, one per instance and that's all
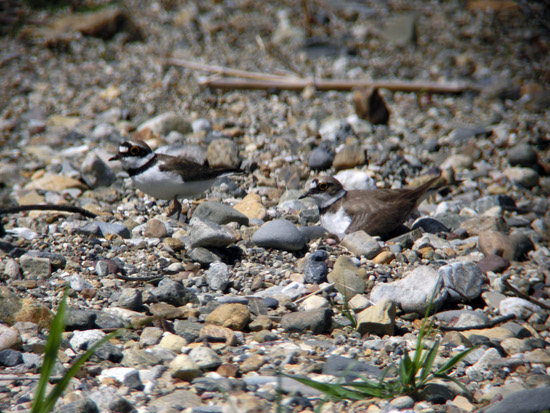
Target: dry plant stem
(226, 71)
(47, 207)
(340, 85)
(242, 79)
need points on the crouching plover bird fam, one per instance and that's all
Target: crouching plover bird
(375, 211)
(164, 176)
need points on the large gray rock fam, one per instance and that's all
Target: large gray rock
(208, 234)
(219, 213)
(95, 172)
(526, 401)
(279, 234)
(413, 293)
(462, 280)
(173, 292)
(217, 276)
(316, 321)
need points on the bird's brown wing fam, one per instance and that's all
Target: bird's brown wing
(380, 211)
(189, 170)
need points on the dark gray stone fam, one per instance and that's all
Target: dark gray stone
(317, 321)
(320, 159)
(188, 330)
(173, 292)
(217, 276)
(79, 406)
(10, 358)
(279, 234)
(121, 405)
(101, 229)
(131, 299)
(95, 172)
(525, 401)
(107, 321)
(430, 225)
(523, 155)
(77, 319)
(462, 280)
(316, 269)
(219, 213)
(339, 366)
(108, 351)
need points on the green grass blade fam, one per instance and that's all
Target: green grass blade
(454, 360)
(428, 362)
(457, 382)
(407, 371)
(50, 356)
(60, 387)
(333, 390)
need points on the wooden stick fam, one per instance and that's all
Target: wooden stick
(341, 85)
(242, 79)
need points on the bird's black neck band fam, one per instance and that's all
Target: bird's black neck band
(144, 167)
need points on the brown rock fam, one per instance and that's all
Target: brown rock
(350, 156)
(227, 370)
(253, 363)
(262, 322)
(378, 319)
(511, 248)
(54, 183)
(166, 311)
(223, 153)
(385, 257)
(233, 316)
(215, 333)
(493, 263)
(155, 229)
(482, 224)
(252, 207)
(35, 312)
(348, 278)
(369, 105)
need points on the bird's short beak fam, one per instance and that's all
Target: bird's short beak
(304, 195)
(115, 158)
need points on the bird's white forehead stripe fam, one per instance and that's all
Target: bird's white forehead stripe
(123, 149)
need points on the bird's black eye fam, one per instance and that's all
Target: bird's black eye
(323, 186)
(134, 150)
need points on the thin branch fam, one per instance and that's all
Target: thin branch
(339, 84)
(242, 79)
(47, 207)
(225, 71)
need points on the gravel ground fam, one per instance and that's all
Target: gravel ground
(248, 285)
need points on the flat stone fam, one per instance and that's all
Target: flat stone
(251, 206)
(525, 177)
(279, 234)
(184, 368)
(204, 233)
(348, 278)
(361, 244)
(378, 319)
(462, 280)
(214, 333)
(35, 266)
(219, 213)
(165, 123)
(217, 276)
(54, 183)
(413, 292)
(315, 321)
(526, 401)
(205, 358)
(223, 153)
(233, 316)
